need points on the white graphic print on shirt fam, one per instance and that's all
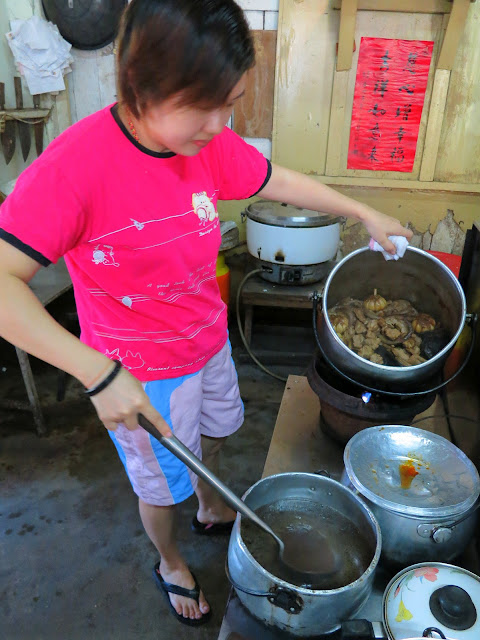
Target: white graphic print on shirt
(103, 254)
(129, 360)
(204, 207)
(156, 232)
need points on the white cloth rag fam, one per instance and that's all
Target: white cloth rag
(41, 54)
(400, 242)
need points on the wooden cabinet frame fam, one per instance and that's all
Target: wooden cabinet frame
(458, 10)
(454, 24)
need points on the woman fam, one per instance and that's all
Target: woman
(129, 197)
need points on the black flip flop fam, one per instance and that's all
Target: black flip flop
(211, 529)
(194, 594)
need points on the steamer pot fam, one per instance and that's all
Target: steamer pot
(433, 516)
(300, 611)
(418, 277)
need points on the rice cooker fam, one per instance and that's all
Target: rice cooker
(291, 245)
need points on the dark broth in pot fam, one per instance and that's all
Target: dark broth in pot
(303, 521)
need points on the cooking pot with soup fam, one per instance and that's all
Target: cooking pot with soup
(294, 505)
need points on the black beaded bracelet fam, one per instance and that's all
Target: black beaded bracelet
(106, 381)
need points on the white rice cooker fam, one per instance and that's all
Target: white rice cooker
(291, 245)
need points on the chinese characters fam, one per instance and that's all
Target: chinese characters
(389, 94)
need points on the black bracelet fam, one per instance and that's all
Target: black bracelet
(106, 381)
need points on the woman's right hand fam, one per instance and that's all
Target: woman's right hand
(121, 402)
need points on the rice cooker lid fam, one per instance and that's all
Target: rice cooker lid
(280, 214)
(411, 471)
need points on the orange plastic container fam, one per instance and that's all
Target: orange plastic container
(223, 278)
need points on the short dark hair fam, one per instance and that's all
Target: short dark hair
(196, 48)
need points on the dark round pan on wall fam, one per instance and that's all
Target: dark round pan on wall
(86, 24)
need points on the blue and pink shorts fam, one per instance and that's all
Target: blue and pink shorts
(205, 403)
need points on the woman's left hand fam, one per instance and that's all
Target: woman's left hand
(380, 226)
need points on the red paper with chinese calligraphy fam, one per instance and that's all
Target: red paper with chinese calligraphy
(392, 78)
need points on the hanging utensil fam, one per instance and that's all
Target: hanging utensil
(7, 137)
(23, 127)
(325, 563)
(38, 127)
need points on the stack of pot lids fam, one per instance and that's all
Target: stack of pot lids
(286, 215)
(438, 479)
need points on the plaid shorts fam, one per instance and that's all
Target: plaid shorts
(204, 403)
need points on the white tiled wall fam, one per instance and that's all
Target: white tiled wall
(255, 19)
(258, 5)
(264, 145)
(261, 14)
(270, 21)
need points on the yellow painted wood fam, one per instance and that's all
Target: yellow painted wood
(337, 124)
(338, 119)
(405, 6)
(346, 36)
(303, 84)
(434, 126)
(456, 26)
(459, 150)
(422, 209)
(304, 100)
(421, 204)
(388, 183)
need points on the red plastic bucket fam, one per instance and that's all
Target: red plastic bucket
(450, 260)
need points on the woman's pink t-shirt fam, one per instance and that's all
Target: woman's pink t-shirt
(140, 234)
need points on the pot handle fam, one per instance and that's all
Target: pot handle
(443, 533)
(366, 630)
(279, 597)
(472, 317)
(475, 507)
(428, 633)
(322, 472)
(250, 592)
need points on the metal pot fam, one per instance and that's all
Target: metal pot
(418, 277)
(432, 600)
(292, 245)
(301, 611)
(431, 519)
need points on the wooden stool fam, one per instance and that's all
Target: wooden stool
(47, 284)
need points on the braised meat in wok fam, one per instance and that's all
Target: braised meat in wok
(390, 332)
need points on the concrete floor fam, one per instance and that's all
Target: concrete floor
(75, 562)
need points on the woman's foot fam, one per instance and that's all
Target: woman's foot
(220, 514)
(181, 576)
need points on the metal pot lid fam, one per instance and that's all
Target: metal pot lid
(433, 595)
(279, 214)
(411, 471)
